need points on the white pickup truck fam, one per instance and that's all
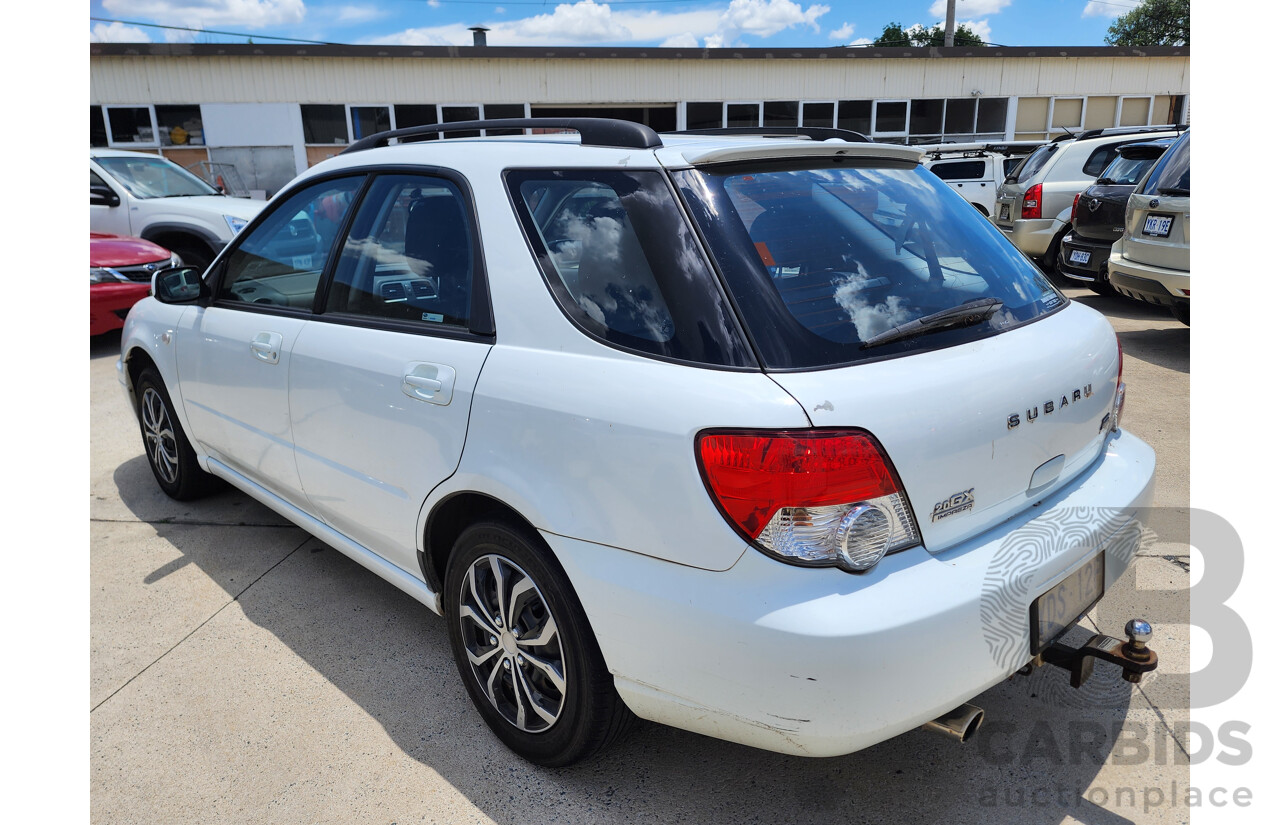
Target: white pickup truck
(150, 197)
(976, 170)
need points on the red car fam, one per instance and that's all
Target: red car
(120, 272)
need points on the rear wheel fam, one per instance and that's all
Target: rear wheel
(524, 649)
(169, 453)
(1183, 313)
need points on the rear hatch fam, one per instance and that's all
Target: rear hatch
(1158, 217)
(1100, 213)
(841, 269)
(944, 417)
(1010, 192)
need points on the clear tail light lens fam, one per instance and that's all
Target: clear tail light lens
(809, 497)
(1031, 202)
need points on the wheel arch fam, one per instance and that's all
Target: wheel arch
(453, 514)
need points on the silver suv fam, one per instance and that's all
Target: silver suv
(1033, 205)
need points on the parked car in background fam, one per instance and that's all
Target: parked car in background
(976, 169)
(150, 197)
(120, 271)
(1033, 205)
(1097, 214)
(1152, 259)
(739, 434)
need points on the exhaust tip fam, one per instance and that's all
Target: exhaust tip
(959, 724)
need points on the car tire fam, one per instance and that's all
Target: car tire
(169, 453)
(1183, 313)
(524, 648)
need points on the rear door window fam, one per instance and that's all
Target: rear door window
(625, 265)
(1172, 175)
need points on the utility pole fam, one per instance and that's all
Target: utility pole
(949, 34)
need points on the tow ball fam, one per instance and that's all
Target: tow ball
(1133, 656)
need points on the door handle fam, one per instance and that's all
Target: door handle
(265, 346)
(432, 383)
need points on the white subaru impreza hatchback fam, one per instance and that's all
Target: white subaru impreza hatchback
(772, 439)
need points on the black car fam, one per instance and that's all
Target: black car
(1097, 216)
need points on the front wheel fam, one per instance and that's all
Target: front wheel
(524, 649)
(169, 453)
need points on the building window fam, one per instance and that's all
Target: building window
(1067, 114)
(131, 125)
(180, 125)
(926, 120)
(890, 117)
(993, 114)
(460, 114)
(817, 113)
(323, 123)
(1134, 111)
(742, 114)
(495, 111)
(855, 115)
(369, 120)
(97, 127)
(781, 113)
(703, 115)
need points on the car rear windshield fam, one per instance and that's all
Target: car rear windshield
(1125, 171)
(1172, 176)
(821, 258)
(1035, 162)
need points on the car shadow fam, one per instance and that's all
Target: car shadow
(106, 345)
(1035, 761)
(1118, 306)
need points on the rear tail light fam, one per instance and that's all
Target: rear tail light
(1031, 202)
(1075, 203)
(810, 497)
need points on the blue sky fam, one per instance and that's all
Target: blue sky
(683, 23)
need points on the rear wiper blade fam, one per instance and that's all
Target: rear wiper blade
(966, 314)
(1174, 190)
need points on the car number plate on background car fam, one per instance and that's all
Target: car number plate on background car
(1004, 211)
(1079, 256)
(1158, 225)
(1066, 603)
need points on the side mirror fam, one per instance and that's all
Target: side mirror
(100, 195)
(178, 285)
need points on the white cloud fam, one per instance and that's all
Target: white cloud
(842, 33)
(589, 22)
(686, 40)
(117, 33)
(979, 27)
(969, 8)
(199, 14)
(1110, 9)
(360, 14)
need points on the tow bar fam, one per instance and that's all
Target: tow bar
(1133, 656)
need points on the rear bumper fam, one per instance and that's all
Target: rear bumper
(818, 662)
(1091, 271)
(1153, 284)
(1033, 237)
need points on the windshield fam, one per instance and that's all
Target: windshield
(1126, 172)
(822, 260)
(154, 177)
(1035, 162)
(1172, 176)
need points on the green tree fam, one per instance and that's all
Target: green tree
(1154, 23)
(917, 35)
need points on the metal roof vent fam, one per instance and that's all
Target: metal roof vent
(477, 35)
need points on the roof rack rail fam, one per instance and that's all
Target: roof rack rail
(1000, 147)
(810, 132)
(595, 131)
(1123, 130)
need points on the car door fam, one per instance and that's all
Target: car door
(381, 382)
(234, 355)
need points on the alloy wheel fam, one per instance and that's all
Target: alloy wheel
(161, 444)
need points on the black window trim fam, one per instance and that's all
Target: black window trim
(481, 326)
(744, 339)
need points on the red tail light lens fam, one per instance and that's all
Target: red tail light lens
(1075, 203)
(802, 494)
(1031, 202)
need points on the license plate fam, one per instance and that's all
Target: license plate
(1004, 211)
(1065, 604)
(1157, 226)
(1079, 256)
